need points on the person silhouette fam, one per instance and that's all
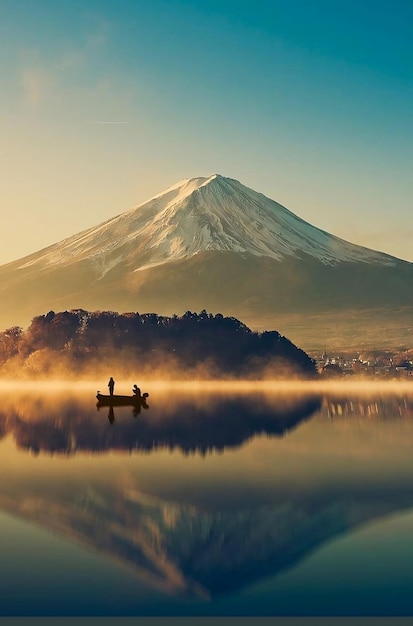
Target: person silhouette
(111, 385)
(136, 391)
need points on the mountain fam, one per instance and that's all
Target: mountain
(207, 243)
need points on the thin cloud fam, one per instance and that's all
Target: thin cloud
(42, 78)
(36, 82)
(107, 122)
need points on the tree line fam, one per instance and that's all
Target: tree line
(150, 340)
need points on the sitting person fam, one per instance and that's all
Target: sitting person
(136, 391)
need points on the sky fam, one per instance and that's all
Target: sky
(105, 103)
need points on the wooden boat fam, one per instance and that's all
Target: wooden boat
(134, 400)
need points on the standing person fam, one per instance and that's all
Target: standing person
(111, 385)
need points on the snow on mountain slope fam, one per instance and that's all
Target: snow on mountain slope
(201, 214)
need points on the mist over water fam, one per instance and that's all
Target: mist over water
(273, 386)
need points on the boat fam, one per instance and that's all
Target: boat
(105, 400)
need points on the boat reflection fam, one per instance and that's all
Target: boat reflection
(137, 407)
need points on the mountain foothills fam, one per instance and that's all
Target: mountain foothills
(212, 243)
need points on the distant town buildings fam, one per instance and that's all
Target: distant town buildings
(386, 365)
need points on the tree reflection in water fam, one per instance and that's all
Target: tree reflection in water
(200, 424)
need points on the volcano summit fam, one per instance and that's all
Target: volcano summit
(198, 215)
(207, 243)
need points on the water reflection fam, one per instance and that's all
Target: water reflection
(212, 525)
(191, 424)
(384, 407)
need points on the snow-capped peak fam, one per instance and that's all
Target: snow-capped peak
(200, 214)
(182, 188)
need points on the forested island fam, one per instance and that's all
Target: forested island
(77, 343)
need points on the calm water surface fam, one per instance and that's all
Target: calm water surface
(243, 503)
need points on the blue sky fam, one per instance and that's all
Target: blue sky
(308, 102)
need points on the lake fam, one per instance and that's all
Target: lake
(215, 500)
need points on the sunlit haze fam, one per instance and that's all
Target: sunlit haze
(280, 388)
(105, 104)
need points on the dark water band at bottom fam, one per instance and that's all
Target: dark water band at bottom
(206, 621)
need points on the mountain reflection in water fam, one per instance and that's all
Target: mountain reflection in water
(207, 525)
